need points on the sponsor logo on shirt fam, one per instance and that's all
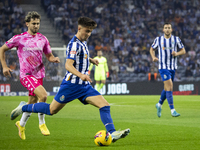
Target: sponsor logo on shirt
(31, 48)
(73, 52)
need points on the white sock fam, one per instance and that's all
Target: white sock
(24, 118)
(41, 118)
(159, 105)
(172, 110)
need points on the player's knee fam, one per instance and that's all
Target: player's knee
(53, 112)
(106, 104)
(43, 98)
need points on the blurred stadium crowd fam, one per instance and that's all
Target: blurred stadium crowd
(126, 29)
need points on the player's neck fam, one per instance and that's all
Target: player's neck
(31, 33)
(79, 37)
(167, 36)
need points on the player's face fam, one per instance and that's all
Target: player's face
(167, 29)
(33, 26)
(99, 53)
(84, 33)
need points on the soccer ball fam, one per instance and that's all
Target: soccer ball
(102, 138)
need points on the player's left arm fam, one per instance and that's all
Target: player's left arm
(106, 68)
(50, 57)
(94, 61)
(181, 52)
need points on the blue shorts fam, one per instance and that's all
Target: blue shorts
(69, 91)
(167, 74)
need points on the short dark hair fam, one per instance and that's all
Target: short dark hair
(167, 23)
(87, 22)
(32, 15)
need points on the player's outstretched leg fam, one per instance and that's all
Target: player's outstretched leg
(116, 135)
(17, 111)
(21, 130)
(159, 109)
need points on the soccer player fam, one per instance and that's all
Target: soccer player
(30, 47)
(101, 71)
(167, 46)
(76, 83)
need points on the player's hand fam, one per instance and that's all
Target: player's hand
(85, 77)
(107, 74)
(155, 59)
(56, 60)
(6, 71)
(94, 61)
(174, 53)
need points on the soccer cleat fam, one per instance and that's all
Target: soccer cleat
(158, 110)
(116, 135)
(175, 114)
(17, 111)
(21, 130)
(44, 130)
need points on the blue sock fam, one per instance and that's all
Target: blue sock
(170, 99)
(37, 108)
(162, 97)
(106, 119)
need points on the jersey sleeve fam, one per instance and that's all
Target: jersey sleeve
(179, 43)
(13, 42)
(155, 43)
(106, 65)
(47, 48)
(72, 51)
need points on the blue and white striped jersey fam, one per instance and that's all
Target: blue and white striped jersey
(78, 51)
(165, 48)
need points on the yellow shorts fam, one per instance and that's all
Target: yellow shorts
(99, 76)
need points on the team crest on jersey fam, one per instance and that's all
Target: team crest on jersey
(165, 77)
(62, 98)
(86, 56)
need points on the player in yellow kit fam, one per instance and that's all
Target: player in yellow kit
(101, 71)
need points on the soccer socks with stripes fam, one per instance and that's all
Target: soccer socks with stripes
(106, 119)
(162, 97)
(37, 108)
(169, 97)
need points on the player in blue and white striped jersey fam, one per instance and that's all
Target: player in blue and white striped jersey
(169, 47)
(76, 83)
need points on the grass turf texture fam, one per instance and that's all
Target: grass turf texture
(74, 126)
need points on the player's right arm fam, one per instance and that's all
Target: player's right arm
(6, 69)
(69, 66)
(152, 52)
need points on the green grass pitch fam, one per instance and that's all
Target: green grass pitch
(73, 128)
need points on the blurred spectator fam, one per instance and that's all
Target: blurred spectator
(196, 72)
(114, 77)
(17, 30)
(139, 69)
(130, 67)
(188, 72)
